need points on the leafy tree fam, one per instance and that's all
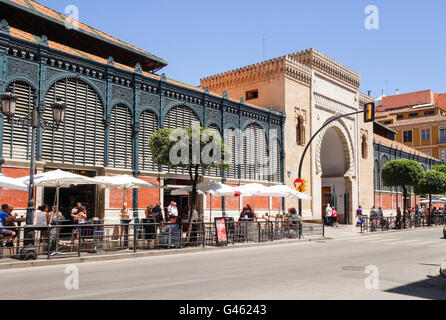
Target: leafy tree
(432, 182)
(440, 168)
(194, 148)
(402, 173)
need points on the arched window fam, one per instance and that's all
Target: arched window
(214, 172)
(81, 138)
(231, 142)
(17, 140)
(120, 144)
(364, 147)
(377, 176)
(384, 160)
(254, 153)
(149, 124)
(300, 131)
(179, 117)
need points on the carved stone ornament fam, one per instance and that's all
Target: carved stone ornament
(138, 68)
(4, 26)
(44, 40)
(110, 61)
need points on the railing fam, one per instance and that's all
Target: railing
(375, 224)
(61, 241)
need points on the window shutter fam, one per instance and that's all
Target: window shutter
(179, 117)
(149, 124)
(276, 172)
(121, 146)
(80, 140)
(214, 172)
(17, 140)
(255, 153)
(232, 145)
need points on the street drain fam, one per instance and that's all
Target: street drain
(353, 268)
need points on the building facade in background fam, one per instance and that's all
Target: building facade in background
(419, 119)
(115, 101)
(387, 149)
(311, 88)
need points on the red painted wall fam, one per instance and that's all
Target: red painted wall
(18, 199)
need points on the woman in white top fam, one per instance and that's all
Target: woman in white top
(42, 216)
(42, 220)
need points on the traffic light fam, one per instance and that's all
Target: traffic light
(369, 112)
(303, 187)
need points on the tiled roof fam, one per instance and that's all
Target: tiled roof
(40, 10)
(397, 145)
(419, 120)
(16, 33)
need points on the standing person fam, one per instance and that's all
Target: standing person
(149, 224)
(334, 217)
(43, 220)
(328, 214)
(398, 218)
(43, 216)
(125, 218)
(173, 212)
(55, 215)
(358, 216)
(194, 225)
(157, 213)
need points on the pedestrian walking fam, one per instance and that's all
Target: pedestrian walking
(359, 216)
(334, 217)
(328, 215)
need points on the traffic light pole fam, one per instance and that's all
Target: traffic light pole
(311, 140)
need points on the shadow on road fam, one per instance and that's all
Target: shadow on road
(431, 288)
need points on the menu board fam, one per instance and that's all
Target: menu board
(220, 227)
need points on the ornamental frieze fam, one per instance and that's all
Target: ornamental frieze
(147, 99)
(122, 94)
(23, 69)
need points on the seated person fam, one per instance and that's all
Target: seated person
(7, 234)
(246, 215)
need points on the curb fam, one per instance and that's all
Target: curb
(132, 255)
(400, 230)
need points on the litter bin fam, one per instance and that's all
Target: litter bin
(170, 236)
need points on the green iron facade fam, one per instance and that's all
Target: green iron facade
(110, 110)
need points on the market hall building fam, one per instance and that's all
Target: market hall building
(115, 101)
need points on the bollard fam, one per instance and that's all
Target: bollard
(79, 241)
(134, 238)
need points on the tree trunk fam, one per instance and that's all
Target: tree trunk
(404, 206)
(194, 178)
(430, 210)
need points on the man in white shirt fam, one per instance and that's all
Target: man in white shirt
(328, 213)
(173, 211)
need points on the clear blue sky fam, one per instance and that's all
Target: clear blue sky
(200, 38)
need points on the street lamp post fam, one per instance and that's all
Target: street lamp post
(35, 121)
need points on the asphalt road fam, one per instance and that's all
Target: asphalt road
(331, 269)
